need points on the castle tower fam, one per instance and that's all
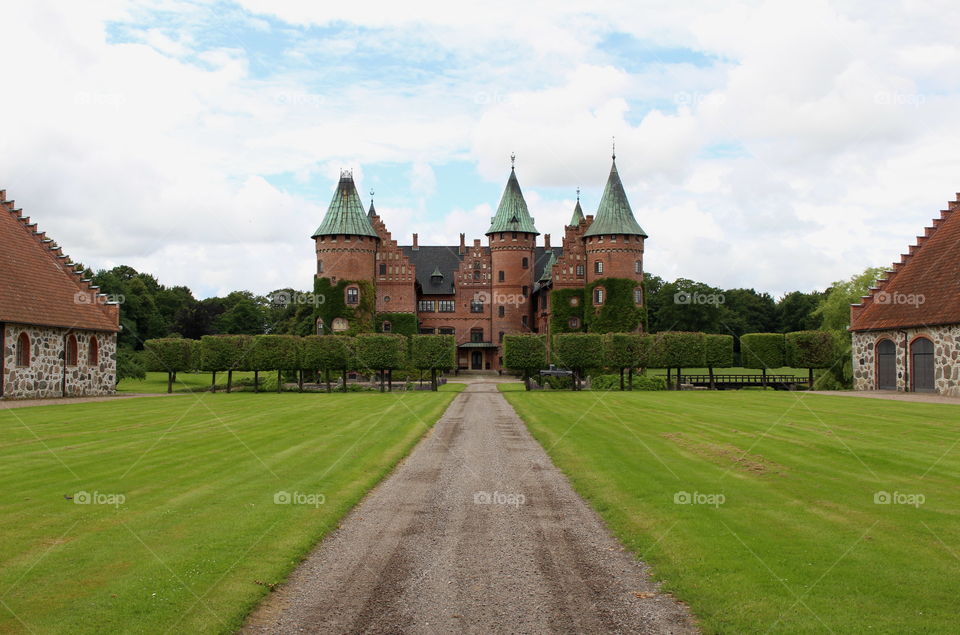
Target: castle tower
(346, 241)
(512, 238)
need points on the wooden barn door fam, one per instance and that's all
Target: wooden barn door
(886, 365)
(921, 357)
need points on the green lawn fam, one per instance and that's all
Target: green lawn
(786, 370)
(797, 544)
(198, 533)
(187, 382)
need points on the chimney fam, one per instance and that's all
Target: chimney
(476, 242)
(415, 244)
(463, 244)
(546, 242)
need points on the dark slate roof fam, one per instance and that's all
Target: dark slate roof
(920, 289)
(428, 260)
(541, 258)
(512, 214)
(614, 215)
(547, 273)
(345, 214)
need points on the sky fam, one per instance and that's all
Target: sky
(772, 145)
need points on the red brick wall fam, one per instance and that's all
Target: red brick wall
(507, 255)
(396, 290)
(346, 257)
(619, 255)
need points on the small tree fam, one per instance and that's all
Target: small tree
(620, 352)
(579, 352)
(810, 349)
(170, 355)
(525, 353)
(679, 349)
(275, 352)
(433, 353)
(218, 353)
(762, 350)
(382, 352)
(329, 353)
(718, 353)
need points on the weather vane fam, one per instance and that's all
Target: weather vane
(371, 194)
(578, 194)
(513, 158)
(614, 141)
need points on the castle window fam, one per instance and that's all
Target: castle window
(476, 306)
(500, 276)
(476, 275)
(501, 337)
(426, 331)
(580, 271)
(71, 353)
(353, 295)
(543, 302)
(500, 311)
(387, 327)
(523, 320)
(638, 295)
(93, 351)
(513, 235)
(525, 290)
(386, 298)
(446, 330)
(319, 326)
(501, 235)
(426, 306)
(319, 266)
(383, 268)
(525, 263)
(476, 335)
(23, 350)
(447, 306)
(573, 323)
(598, 295)
(598, 266)
(476, 264)
(638, 266)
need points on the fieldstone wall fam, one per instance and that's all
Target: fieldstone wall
(946, 351)
(44, 377)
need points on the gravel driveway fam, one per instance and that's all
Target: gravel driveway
(475, 532)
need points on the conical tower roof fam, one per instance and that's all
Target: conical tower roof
(614, 215)
(512, 214)
(345, 214)
(577, 217)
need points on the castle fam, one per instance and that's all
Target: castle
(480, 293)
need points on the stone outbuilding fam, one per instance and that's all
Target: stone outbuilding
(58, 334)
(906, 332)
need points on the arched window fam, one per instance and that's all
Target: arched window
(638, 295)
(23, 350)
(93, 351)
(387, 327)
(71, 352)
(598, 295)
(598, 266)
(319, 266)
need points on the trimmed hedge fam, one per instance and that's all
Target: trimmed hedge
(433, 353)
(578, 352)
(625, 350)
(525, 353)
(718, 351)
(170, 355)
(811, 349)
(275, 352)
(381, 352)
(762, 350)
(328, 353)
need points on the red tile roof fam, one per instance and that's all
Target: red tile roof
(923, 289)
(37, 284)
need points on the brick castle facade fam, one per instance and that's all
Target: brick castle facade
(482, 292)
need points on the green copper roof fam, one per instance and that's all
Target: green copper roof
(436, 272)
(345, 214)
(614, 215)
(512, 214)
(548, 268)
(577, 215)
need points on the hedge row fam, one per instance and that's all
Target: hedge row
(382, 352)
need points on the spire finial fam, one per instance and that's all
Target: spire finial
(371, 195)
(614, 140)
(578, 193)
(513, 158)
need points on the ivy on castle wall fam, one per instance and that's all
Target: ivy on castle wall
(561, 310)
(618, 313)
(334, 305)
(402, 323)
